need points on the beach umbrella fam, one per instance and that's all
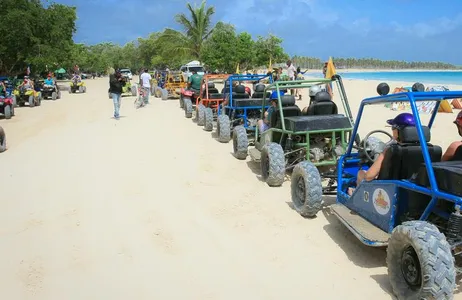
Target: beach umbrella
(329, 73)
(60, 71)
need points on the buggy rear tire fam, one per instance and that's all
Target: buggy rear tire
(306, 189)
(31, 101)
(208, 122)
(273, 164)
(181, 102)
(240, 142)
(134, 90)
(223, 129)
(188, 108)
(54, 96)
(2, 140)
(7, 112)
(157, 92)
(200, 115)
(80, 89)
(164, 95)
(420, 262)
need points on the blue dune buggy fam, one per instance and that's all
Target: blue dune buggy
(413, 206)
(241, 108)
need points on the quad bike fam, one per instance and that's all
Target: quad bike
(51, 92)
(2, 140)
(76, 85)
(23, 96)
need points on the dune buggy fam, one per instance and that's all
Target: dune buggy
(241, 108)
(318, 134)
(207, 101)
(413, 206)
(174, 83)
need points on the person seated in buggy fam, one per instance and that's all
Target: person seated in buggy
(194, 82)
(452, 149)
(2, 90)
(49, 81)
(400, 122)
(76, 78)
(264, 124)
(27, 84)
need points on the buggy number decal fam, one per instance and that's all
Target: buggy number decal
(366, 196)
(381, 201)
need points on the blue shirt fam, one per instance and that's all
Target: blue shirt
(274, 94)
(49, 81)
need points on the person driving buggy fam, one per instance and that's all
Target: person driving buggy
(76, 78)
(49, 81)
(264, 124)
(2, 89)
(26, 84)
(399, 122)
(450, 152)
(194, 81)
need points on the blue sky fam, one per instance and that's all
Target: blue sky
(412, 30)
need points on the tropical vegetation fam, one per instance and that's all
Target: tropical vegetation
(41, 36)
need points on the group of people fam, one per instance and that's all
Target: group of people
(293, 73)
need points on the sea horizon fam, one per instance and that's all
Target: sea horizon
(426, 77)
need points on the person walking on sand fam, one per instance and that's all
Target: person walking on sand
(145, 81)
(291, 71)
(115, 88)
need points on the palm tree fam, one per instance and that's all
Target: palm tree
(196, 29)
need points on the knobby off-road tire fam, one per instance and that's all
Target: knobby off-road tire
(38, 102)
(224, 129)
(59, 95)
(181, 102)
(8, 112)
(208, 122)
(54, 96)
(434, 274)
(306, 189)
(31, 101)
(164, 95)
(80, 89)
(157, 92)
(134, 90)
(188, 108)
(240, 142)
(273, 164)
(200, 115)
(2, 140)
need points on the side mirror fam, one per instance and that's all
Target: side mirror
(418, 87)
(383, 89)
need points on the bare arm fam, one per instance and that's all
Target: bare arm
(450, 151)
(374, 170)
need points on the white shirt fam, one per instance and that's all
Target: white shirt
(291, 71)
(146, 79)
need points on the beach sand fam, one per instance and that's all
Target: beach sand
(152, 207)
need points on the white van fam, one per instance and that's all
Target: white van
(189, 67)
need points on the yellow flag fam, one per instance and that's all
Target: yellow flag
(329, 73)
(237, 69)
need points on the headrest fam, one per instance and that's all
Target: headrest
(322, 97)
(409, 134)
(239, 89)
(260, 88)
(211, 85)
(287, 100)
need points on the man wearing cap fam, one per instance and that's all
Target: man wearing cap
(399, 122)
(449, 154)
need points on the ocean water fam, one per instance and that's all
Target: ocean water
(425, 77)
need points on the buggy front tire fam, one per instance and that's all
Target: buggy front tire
(31, 101)
(80, 89)
(7, 111)
(54, 96)
(420, 262)
(2, 140)
(134, 90)
(181, 102)
(224, 129)
(188, 108)
(164, 94)
(306, 189)
(273, 164)
(200, 115)
(240, 142)
(208, 122)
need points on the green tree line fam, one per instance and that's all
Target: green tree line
(371, 63)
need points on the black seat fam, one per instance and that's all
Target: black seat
(259, 91)
(403, 160)
(322, 105)
(213, 92)
(289, 109)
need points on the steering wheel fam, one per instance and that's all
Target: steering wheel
(374, 145)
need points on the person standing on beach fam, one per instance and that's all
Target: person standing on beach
(145, 81)
(291, 71)
(115, 88)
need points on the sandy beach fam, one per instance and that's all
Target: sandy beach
(152, 207)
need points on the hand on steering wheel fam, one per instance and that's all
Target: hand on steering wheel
(365, 146)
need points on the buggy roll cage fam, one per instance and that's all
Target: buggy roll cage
(412, 98)
(285, 85)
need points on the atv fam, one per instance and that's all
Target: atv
(48, 91)
(76, 85)
(30, 96)
(412, 207)
(318, 134)
(7, 104)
